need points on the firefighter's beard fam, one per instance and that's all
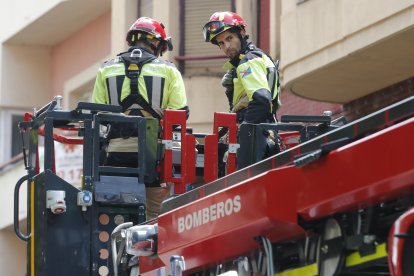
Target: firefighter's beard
(232, 53)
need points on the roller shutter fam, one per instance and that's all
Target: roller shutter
(197, 13)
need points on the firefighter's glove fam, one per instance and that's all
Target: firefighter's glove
(227, 80)
(241, 104)
(272, 143)
(271, 138)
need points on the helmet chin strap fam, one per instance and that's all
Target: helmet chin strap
(157, 49)
(243, 43)
(243, 47)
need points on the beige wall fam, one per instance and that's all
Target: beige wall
(205, 96)
(124, 13)
(247, 9)
(80, 51)
(12, 249)
(335, 22)
(167, 12)
(341, 50)
(13, 254)
(274, 35)
(26, 76)
(43, 46)
(9, 180)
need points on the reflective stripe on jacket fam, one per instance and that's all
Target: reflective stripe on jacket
(256, 73)
(160, 84)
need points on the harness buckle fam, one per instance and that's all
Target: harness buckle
(132, 74)
(136, 53)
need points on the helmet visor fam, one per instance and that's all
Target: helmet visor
(213, 28)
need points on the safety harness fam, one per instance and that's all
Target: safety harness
(134, 61)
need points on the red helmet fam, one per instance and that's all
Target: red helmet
(220, 22)
(152, 27)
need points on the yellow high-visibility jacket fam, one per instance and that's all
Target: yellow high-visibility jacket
(257, 80)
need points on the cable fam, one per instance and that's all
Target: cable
(267, 245)
(114, 235)
(270, 261)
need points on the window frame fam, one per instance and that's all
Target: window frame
(183, 56)
(6, 141)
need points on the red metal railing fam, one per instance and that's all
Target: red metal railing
(227, 120)
(188, 158)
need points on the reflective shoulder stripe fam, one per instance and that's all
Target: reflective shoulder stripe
(155, 91)
(114, 85)
(170, 64)
(271, 79)
(277, 84)
(110, 62)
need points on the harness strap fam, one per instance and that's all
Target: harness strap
(114, 85)
(133, 62)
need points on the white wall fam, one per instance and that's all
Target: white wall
(335, 21)
(8, 182)
(13, 254)
(17, 14)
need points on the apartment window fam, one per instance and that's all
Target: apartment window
(10, 138)
(196, 56)
(16, 141)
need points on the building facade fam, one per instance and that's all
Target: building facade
(347, 56)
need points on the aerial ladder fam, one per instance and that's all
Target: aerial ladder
(337, 200)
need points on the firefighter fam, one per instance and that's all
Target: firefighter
(252, 81)
(144, 85)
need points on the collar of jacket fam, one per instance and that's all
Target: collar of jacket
(146, 56)
(144, 50)
(232, 63)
